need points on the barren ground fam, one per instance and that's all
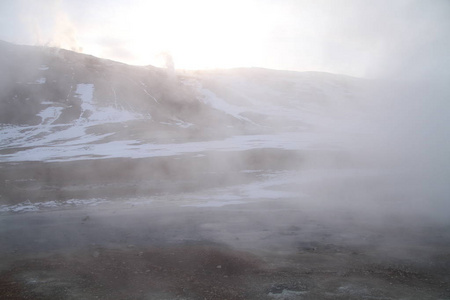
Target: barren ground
(173, 246)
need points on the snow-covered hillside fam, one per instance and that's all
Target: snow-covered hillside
(64, 106)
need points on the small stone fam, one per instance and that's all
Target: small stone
(219, 267)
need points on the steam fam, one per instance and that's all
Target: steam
(167, 61)
(414, 47)
(64, 34)
(44, 23)
(400, 129)
(402, 133)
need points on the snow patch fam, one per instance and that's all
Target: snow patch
(68, 150)
(267, 187)
(50, 114)
(52, 139)
(215, 203)
(287, 294)
(211, 99)
(100, 114)
(86, 94)
(41, 80)
(182, 123)
(28, 206)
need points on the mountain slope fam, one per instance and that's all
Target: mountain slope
(56, 101)
(77, 126)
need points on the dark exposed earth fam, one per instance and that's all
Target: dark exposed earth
(166, 246)
(127, 182)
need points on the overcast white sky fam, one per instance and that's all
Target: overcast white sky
(366, 38)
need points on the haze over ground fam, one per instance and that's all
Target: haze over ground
(333, 186)
(403, 44)
(404, 41)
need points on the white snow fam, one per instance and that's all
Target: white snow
(50, 114)
(99, 114)
(300, 124)
(182, 123)
(216, 203)
(64, 149)
(287, 294)
(41, 80)
(265, 188)
(86, 94)
(28, 206)
(268, 187)
(52, 139)
(281, 100)
(215, 102)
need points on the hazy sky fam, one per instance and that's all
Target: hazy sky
(355, 37)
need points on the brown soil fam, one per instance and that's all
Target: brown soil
(216, 272)
(217, 253)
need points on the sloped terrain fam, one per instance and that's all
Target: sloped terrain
(61, 111)
(127, 182)
(55, 101)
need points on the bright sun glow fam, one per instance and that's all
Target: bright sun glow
(352, 37)
(216, 36)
